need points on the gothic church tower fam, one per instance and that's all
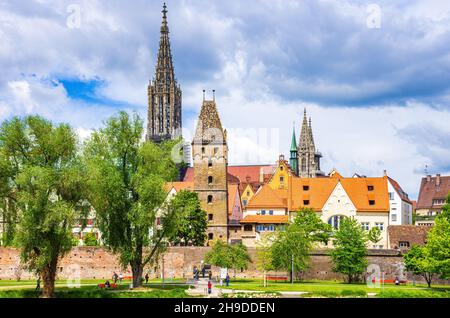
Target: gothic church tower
(210, 156)
(308, 158)
(164, 93)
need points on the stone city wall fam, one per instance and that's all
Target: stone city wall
(178, 262)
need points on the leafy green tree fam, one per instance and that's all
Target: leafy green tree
(419, 262)
(126, 180)
(219, 255)
(264, 258)
(191, 220)
(228, 256)
(374, 235)
(292, 247)
(239, 257)
(90, 239)
(446, 209)
(350, 249)
(438, 246)
(45, 183)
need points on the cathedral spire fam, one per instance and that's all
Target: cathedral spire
(308, 158)
(164, 94)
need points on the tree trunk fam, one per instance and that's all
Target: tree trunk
(137, 267)
(48, 277)
(428, 278)
(137, 270)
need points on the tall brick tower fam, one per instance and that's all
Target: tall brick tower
(210, 157)
(164, 93)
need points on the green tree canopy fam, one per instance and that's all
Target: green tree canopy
(191, 220)
(350, 249)
(90, 239)
(294, 244)
(223, 255)
(419, 262)
(44, 180)
(126, 187)
(438, 246)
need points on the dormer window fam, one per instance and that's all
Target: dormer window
(306, 188)
(371, 202)
(305, 202)
(370, 188)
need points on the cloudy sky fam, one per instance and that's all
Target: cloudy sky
(374, 76)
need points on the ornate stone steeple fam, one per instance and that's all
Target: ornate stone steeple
(293, 161)
(308, 158)
(164, 93)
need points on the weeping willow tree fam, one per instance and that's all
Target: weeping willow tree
(41, 190)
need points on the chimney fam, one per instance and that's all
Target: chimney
(438, 180)
(428, 178)
(261, 175)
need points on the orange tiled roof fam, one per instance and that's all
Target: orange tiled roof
(266, 197)
(179, 186)
(318, 193)
(266, 219)
(357, 190)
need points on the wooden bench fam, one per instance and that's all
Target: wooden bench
(103, 286)
(277, 278)
(391, 281)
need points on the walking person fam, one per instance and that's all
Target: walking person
(209, 287)
(146, 278)
(203, 272)
(227, 280)
(38, 283)
(115, 278)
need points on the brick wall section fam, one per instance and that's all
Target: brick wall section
(414, 235)
(179, 262)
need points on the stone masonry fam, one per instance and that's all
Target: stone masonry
(97, 263)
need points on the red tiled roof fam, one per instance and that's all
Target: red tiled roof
(240, 172)
(429, 191)
(403, 195)
(414, 235)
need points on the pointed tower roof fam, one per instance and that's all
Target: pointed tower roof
(209, 127)
(304, 133)
(165, 73)
(294, 140)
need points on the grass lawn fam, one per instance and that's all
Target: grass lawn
(339, 289)
(152, 290)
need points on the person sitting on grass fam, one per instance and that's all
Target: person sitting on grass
(107, 284)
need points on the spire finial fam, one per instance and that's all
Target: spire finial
(204, 95)
(214, 95)
(164, 11)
